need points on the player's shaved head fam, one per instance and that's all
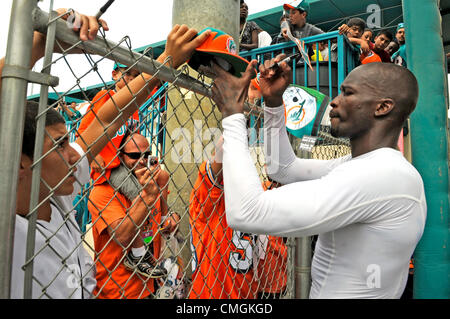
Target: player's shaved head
(390, 81)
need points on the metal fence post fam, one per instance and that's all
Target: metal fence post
(303, 253)
(14, 86)
(36, 179)
(184, 111)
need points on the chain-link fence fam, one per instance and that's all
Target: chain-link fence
(104, 238)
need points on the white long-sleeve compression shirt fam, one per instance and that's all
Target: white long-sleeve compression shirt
(369, 211)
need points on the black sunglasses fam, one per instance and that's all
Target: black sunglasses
(137, 155)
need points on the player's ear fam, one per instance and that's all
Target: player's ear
(384, 107)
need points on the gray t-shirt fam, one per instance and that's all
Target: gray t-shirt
(307, 30)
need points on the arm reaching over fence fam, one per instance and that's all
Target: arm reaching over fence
(87, 26)
(180, 45)
(362, 205)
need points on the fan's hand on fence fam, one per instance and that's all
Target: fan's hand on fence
(274, 81)
(181, 43)
(343, 29)
(230, 92)
(147, 177)
(88, 26)
(365, 48)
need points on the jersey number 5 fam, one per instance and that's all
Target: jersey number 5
(242, 260)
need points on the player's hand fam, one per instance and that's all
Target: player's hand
(274, 81)
(98, 164)
(181, 43)
(230, 92)
(284, 34)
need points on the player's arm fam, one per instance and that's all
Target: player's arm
(297, 209)
(181, 43)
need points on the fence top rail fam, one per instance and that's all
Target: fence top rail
(120, 54)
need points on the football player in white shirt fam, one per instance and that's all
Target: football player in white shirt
(368, 208)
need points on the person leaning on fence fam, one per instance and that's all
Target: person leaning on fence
(108, 157)
(369, 207)
(61, 267)
(367, 35)
(296, 22)
(354, 30)
(222, 266)
(126, 223)
(378, 51)
(298, 13)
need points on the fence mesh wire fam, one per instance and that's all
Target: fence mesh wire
(201, 257)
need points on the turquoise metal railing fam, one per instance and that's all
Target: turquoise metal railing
(151, 115)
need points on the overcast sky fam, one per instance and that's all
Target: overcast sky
(143, 21)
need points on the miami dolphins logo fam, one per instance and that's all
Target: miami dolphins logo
(231, 46)
(300, 108)
(297, 114)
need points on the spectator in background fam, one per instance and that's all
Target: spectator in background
(392, 48)
(399, 57)
(284, 24)
(251, 35)
(400, 34)
(322, 52)
(223, 258)
(126, 222)
(69, 113)
(377, 49)
(298, 13)
(354, 30)
(367, 35)
(294, 20)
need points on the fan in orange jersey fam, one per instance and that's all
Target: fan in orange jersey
(222, 257)
(108, 157)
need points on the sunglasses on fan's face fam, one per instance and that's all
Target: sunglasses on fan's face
(138, 155)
